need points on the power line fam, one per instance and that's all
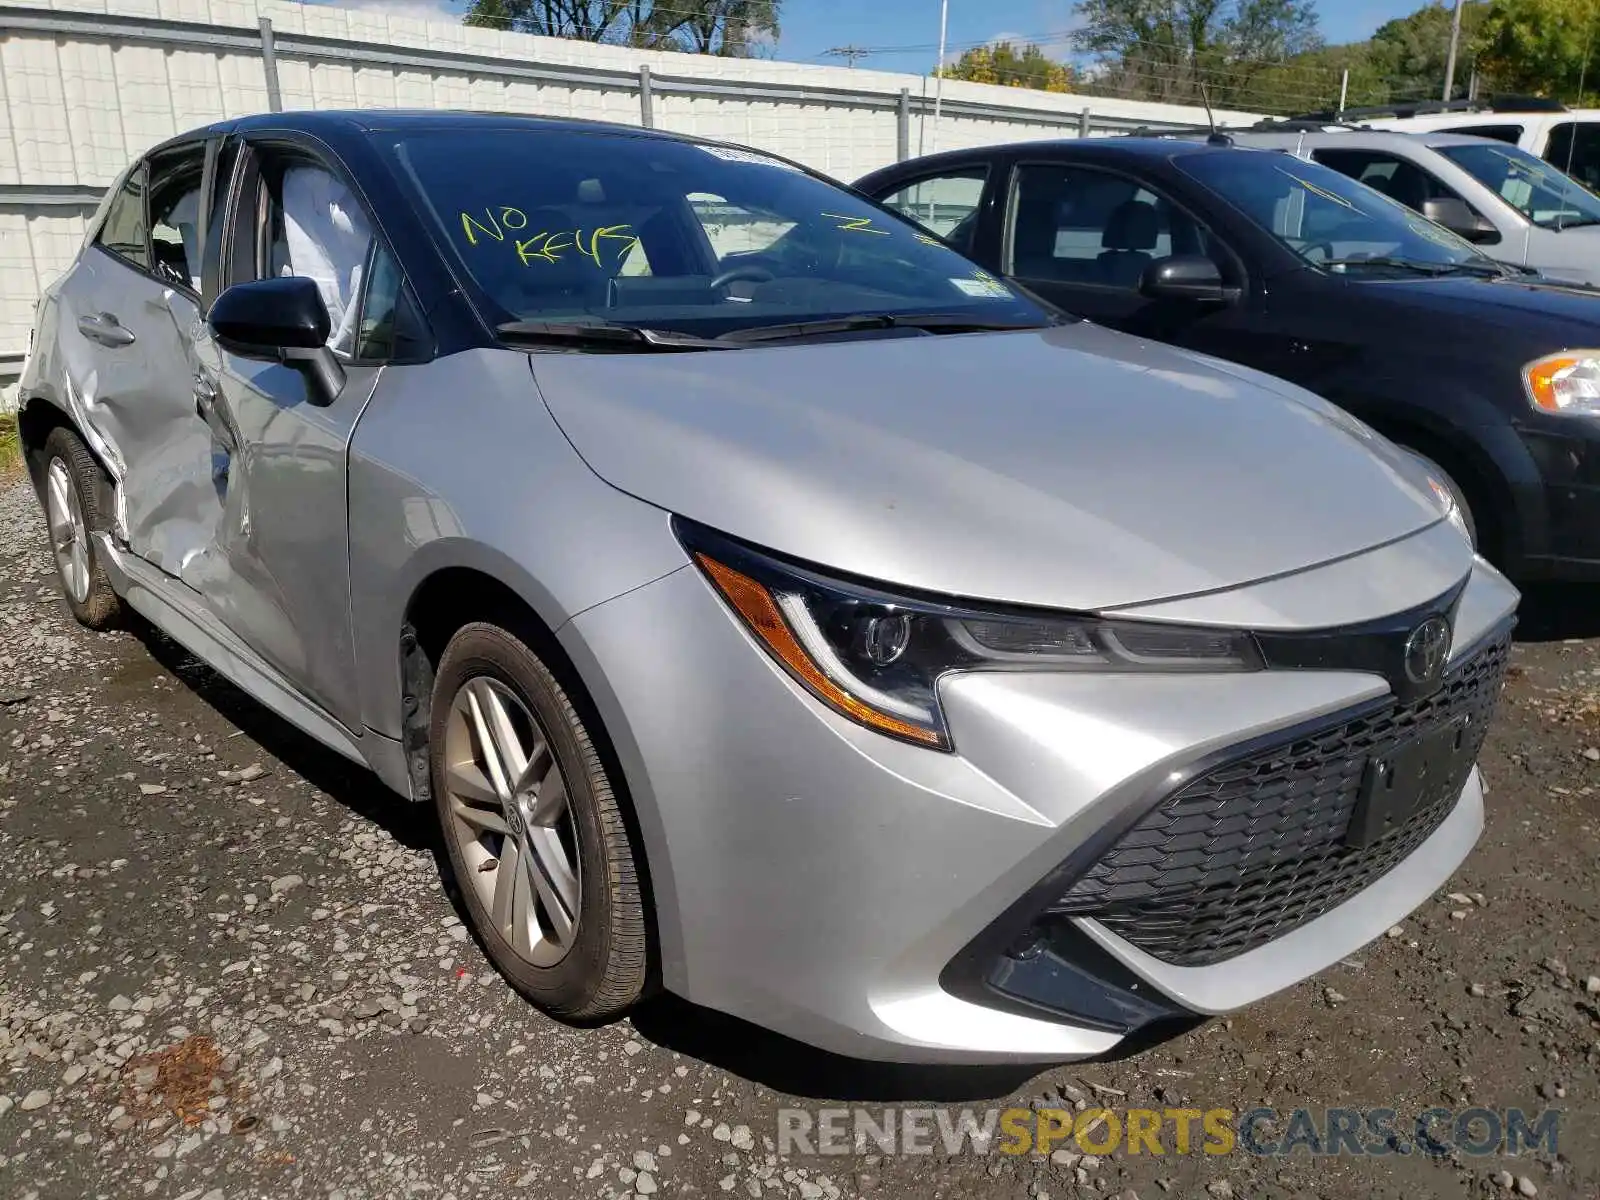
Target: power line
(848, 53)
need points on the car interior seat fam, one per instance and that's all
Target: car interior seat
(1131, 234)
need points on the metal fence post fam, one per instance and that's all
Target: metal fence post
(647, 111)
(269, 65)
(1083, 123)
(902, 141)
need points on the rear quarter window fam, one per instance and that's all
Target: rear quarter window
(126, 230)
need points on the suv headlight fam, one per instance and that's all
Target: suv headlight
(1568, 382)
(877, 656)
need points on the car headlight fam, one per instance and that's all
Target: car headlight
(1568, 382)
(1452, 510)
(877, 657)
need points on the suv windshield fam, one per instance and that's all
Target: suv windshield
(604, 228)
(1329, 219)
(1533, 187)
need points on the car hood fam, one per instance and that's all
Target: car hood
(1553, 308)
(1071, 467)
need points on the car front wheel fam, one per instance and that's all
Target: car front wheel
(532, 827)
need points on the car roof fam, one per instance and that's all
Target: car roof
(1491, 116)
(1356, 138)
(1128, 146)
(337, 122)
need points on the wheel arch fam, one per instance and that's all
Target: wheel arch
(37, 419)
(450, 596)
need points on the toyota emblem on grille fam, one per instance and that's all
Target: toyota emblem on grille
(1426, 649)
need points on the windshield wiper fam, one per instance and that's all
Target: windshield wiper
(599, 335)
(1418, 265)
(1422, 267)
(1575, 223)
(943, 322)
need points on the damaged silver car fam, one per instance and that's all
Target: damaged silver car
(775, 606)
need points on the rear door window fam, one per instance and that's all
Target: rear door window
(175, 234)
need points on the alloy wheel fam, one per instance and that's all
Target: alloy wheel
(69, 536)
(510, 817)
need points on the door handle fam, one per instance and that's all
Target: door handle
(105, 329)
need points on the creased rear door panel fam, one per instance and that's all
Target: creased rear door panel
(138, 397)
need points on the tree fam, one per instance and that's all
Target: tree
(1541, 47)
(1001, 63)
(1165, 49)
(725, 27)
(1410, 53)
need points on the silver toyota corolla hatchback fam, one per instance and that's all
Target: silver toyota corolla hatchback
(776, 607)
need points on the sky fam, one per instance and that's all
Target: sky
(903, 35)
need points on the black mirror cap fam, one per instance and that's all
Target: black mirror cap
(1184, 277)
(269, 315)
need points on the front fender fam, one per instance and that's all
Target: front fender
(458, 464)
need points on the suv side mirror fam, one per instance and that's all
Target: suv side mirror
(284, 319)
(1192, 277)
(1457, 216)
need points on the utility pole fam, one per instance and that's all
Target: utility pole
(848, 53)
(1450, 61)
(938, 85)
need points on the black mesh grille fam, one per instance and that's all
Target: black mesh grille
(1256, 848)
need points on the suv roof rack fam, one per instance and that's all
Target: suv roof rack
(1422, 108)
(1306, 124)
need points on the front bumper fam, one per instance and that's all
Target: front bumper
(820, 880)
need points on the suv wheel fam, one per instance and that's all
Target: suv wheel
(72, 514)
(534, 835)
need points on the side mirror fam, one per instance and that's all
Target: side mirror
(1457, 216)
(283, 319)
(1192, 277)
(268, 315)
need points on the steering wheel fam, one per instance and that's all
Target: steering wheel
(735, 274)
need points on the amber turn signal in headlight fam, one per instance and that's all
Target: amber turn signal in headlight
(756, 605)
(1565, 383)
(877, 656)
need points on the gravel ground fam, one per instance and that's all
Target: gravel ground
(228, 969)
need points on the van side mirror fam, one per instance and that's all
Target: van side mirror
(1192, 277)
(1456, 215)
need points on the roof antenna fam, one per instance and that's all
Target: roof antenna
(1217, 138)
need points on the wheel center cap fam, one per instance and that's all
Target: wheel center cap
(514, 818)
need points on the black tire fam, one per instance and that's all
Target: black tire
(97, 606)
(604, 972)
(1453, 488)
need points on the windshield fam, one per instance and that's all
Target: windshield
(1533, 187)
(601, 227)
(1328, 218)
